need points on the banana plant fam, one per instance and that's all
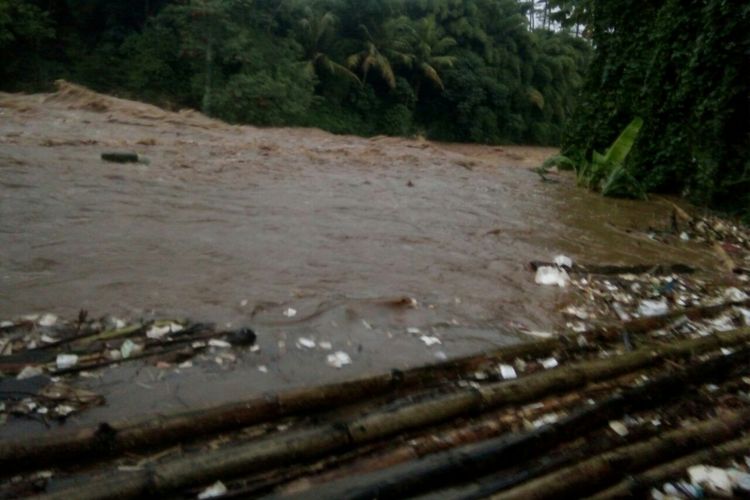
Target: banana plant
(607, 173)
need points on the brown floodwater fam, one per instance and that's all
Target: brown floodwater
(235, 225)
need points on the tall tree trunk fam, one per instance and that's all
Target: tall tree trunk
(532, 13)
(207, 91)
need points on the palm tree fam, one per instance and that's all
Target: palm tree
(371, 57)
(316, 32)
(422, 47)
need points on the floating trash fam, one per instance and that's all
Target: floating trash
(29, 372)
(306, 343)
(714, 479)
(65, 361)
(507, 372)
(222, 344)
(215, 490)
(563, 261)
(548, 275)
(158, 331)
(653, 307)
(576, 312)
(549, 363)
(48, 320)
(619, 428)
(430, 341)
(735, 294)
(338, 359)
(128, 348)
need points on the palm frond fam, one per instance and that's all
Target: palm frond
(536, 97)
(432, 75)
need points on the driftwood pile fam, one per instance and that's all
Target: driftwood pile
(601, 420)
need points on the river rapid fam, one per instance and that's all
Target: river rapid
(373, 243)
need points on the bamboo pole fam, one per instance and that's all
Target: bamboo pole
(381, 454)
(487, 426)
(327, 438)
(445, 468)
(639, 485)
(590, 475)
(113, 438)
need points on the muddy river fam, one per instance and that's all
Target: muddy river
(237, 225)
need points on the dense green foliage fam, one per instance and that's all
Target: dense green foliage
(683, 67)
(465, 70)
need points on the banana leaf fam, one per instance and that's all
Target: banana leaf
(606, 172)
(620, 149)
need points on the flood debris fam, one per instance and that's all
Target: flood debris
(459, 408)
(122, 157)
(714, 480)
(214, 491)
(430, 340)
(306, 343)
(619, 428)
(507, 372)
(650, 373)
(650, 307)
(338, 359)
(563, 261)
(552, 275)
(65, 361)
(623, 297)
(43, 348)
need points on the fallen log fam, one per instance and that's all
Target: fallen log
(652, 269)
(591, 475)
(327, 438)
(639, 485)
(445, 468)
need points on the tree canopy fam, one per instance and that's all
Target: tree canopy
(464, 70)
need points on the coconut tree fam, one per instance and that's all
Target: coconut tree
(422, 47)
(315, 34)
(371, 57)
